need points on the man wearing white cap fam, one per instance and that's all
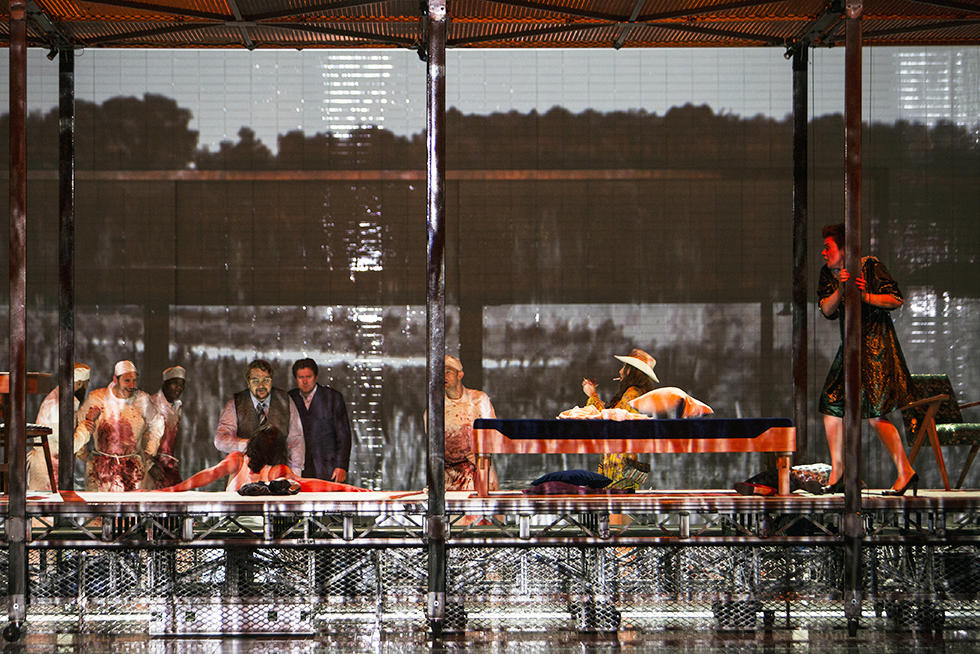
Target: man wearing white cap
(37, 469)
(463, 406)
(163, 470)
(126, 428)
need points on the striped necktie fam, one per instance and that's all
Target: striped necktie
(262, 413)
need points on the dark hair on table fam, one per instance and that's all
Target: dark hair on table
(259, 364)
(835, 232)
(306, 363)
(266, 447)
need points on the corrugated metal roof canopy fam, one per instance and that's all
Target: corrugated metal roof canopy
(300, 24)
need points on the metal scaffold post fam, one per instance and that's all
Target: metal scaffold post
(14, 412)
(853, 519)
(437, 524)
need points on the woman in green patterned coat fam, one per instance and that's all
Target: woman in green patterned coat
(885, 381)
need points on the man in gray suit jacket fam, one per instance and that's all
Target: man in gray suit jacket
(326, 427)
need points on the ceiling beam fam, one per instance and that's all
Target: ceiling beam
(561, 11)
(239, 23)
(44, 24)
(164, 9)
(314, 9)
(624, 32)
(950, 4)
(520, 34)
(911, 29)
(711, 31)
(706, 9)
(817, 31)
(120, 39)
(354, 34)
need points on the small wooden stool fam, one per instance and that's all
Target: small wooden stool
(37, 382)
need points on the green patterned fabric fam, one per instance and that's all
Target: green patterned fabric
(949, 421)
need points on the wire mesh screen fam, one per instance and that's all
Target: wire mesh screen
(344, 591)
(623, 588)
(570, 238)
(225, 591)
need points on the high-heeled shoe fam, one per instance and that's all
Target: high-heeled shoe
(814, 487)
(913, 482)
(836, 487)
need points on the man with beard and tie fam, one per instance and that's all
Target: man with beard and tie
(47, 415)
(255, 406)
(164, 468)
(126, 429)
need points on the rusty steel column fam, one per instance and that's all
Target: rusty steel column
(853, 519)
(14, 412)
(66, 264)
(801, 259)
(436, 522)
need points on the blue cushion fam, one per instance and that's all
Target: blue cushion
(576, 477)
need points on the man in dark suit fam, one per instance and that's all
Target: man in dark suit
(325, 424)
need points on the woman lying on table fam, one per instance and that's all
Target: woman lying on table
(265, 459)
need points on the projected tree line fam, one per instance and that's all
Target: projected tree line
(183, 253)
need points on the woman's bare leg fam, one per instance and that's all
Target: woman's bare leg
(834, 427)
(892, 440)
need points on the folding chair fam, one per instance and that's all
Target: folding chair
(937, 415)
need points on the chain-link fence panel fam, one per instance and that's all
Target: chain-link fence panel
(924, 587)
(299, 589)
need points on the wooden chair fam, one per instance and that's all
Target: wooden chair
(36, 435)
(936, 414)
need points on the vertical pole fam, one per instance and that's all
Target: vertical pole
(800, 255)
(15, 410)
(66, 265)
(853, 522)
(767, 335)
(436, 312)
(471, 337)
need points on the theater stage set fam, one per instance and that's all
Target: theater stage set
(216, 563)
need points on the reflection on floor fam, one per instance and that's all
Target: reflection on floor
(704, 642)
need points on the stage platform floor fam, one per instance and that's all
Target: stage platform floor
(393, 503)
(549, 574)
(467, 501)
(681, 642)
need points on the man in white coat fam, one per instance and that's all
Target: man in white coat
(47, 415)
(126, 430)
(163, 470)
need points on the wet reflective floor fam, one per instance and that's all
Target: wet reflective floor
(703, 642)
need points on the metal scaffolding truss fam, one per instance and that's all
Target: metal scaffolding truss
(325, 567)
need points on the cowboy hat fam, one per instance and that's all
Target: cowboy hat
(642, 362)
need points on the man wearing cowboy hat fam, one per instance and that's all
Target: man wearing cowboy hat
(163, 470)
(47, 415)
(126, 429)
